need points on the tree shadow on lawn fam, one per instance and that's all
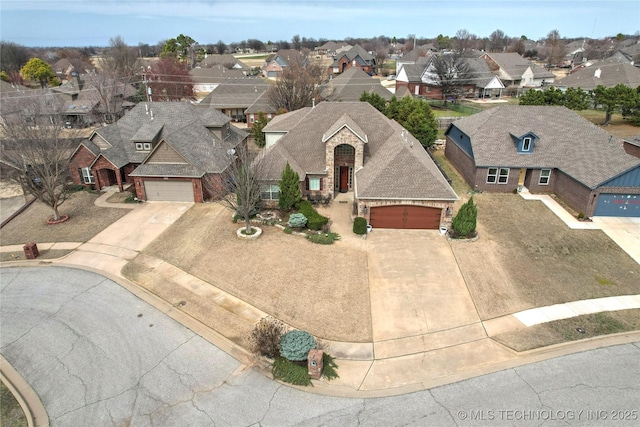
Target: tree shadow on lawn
(320, 288)
(527, 257)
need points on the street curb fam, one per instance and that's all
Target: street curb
(29, 401)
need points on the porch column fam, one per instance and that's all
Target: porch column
(119, 180)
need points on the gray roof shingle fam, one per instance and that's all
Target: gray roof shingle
(349, 86)
(566, 141)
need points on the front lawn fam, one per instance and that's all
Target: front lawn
(527, 257)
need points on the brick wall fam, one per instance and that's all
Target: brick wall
(461, 161)
(81, 159)
(634, 150)
(573, 193)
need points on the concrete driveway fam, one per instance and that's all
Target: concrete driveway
(116, 245)
(624, 231)
(417, 292)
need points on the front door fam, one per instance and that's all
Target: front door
(523, 172)
(344, 179)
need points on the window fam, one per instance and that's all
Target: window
(147, 146)
(497, 175)
(86, 175)
(251, 118)
(314, 184)
(270, 192)
(139, 146)
(345, 149)
(545, 174)
(526, 144)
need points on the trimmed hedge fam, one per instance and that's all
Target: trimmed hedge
(360, 225)
(315, 221)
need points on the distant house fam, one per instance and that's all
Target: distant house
(607, 74)
(233, 96)
(338, 147)
(516, 73)
(64, 68)
(165, 149)
(350, 85)
(331, 48)
(207, 79)
(547, 150)
(423, 80)
(229, 61)
(417, 56)
(276, 62)
(261, 105)
(355, 57)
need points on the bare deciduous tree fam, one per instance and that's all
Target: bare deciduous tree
(238, 187)
(39, 150)
(554, 49)
(451, 72)
(296, 87)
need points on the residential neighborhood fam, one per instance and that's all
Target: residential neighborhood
(357, 222)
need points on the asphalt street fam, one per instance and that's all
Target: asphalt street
(99, 356)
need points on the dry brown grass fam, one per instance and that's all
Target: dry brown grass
(85, 221)
(527, 257)
(319, 288)
(590, 325)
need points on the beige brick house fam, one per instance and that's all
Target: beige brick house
(339, 147)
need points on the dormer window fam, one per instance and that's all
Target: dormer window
(526, 144)
(143, 146)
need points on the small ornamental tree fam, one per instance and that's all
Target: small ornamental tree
(289, 189)
(464, 223)
(38, 71)
(295, 345)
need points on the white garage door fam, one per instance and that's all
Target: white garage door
(169, 191)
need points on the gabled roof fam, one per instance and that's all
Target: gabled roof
(395, 164)
(566, 141)
(513, 65)
(611, 74)
(288, 56)
(354, 52)
(262, 104)
(217, 73)
(183, 126)
(236, 93)
(350, 85)
(222, 60)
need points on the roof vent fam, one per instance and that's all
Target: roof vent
(597, 73)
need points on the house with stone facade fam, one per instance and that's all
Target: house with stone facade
(356, 57)
(340, 147)
(164, 149)
(547, 149)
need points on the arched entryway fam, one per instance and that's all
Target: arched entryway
(344, 160)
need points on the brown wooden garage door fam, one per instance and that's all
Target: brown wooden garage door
(405, 216)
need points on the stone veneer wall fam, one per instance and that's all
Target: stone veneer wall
(344, 136)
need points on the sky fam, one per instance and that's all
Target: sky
(78, 23)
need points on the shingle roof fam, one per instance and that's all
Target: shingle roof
(236, 93)
(354, 52)
(515, 65)
(566, 141)
(212, 60)
(183, 126)
(349, 86)
(262, 104)
(611, 74)
(215, 74)
(395, 164)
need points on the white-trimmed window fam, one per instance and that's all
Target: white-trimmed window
(314, 184)
(497, 175)
(526, 144)
(545, 175)
(270, 192)
(146, 146)
(87, 176)
(139, 146)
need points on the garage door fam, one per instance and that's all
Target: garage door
(625, 205)
(169, 191)
(405, 216)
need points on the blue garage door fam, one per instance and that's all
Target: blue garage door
(627, 205)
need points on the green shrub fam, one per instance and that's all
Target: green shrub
(315, 221)
(329, 367)
(324, 238)
(295, 345)
(266, 335)
(289, 372)
(288, 230)
(360, 225)
(297, 220)
(464, 223)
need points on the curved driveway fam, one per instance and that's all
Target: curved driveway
(97, 355)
